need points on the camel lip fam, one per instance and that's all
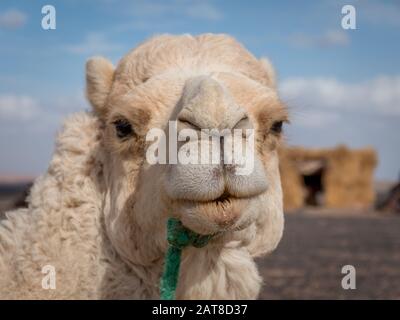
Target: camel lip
(219, 203)
(209, 217)
(224, 198)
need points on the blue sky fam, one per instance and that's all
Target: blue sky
(342, 86)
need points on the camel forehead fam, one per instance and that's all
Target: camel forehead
(208, 52)
(157, 96)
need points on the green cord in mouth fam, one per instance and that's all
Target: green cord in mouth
(178, 238)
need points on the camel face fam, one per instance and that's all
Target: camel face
(210, 197)
(203, 83)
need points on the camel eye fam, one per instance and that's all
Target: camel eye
(123, 128)
(277, 127)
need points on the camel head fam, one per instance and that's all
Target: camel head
(186, 85)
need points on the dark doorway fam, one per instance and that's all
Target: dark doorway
(312, 172)
(314, 188)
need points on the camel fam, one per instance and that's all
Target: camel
(97, 217)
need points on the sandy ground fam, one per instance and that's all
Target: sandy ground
(307, 264)
(316, 245)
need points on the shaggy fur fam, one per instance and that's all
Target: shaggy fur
(98, 214)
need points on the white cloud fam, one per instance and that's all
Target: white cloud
(379, 12)
(193, 9)
(67, 104)
(328, 39)
(150, 8)
(315, 118)
(162, 16)
(27, 114)
(380, 95)
(203, 10)
(14, 107)
(94, 43)
(12, 19)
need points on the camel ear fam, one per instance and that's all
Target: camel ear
(99, 78)
(269, 69)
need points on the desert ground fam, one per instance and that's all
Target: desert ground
(316, 244)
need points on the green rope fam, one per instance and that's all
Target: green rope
(178, 238)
